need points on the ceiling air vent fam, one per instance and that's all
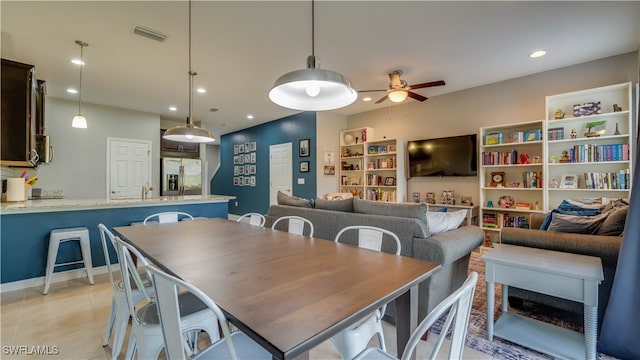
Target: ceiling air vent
(149, 33)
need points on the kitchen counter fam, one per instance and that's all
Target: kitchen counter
(56, 205)
(25, 228)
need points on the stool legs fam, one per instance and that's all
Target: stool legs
(85, 247)
(62, 235)
(51, 262)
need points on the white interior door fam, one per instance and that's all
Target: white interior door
(129, 167)
(280, 171)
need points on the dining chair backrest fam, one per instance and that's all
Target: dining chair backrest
(167, 288)
(168, 217)
(458, 306)
(107, 237)
(370, 237)
(128, 269)
(254, 219)
(295, 224)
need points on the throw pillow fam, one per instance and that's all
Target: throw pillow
(284, 199)
(569, 208)
(613, 225)
(415, 211)
(345, 205)
(445, 221)
(576, 224)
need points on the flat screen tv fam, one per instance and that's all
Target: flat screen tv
(450, 156)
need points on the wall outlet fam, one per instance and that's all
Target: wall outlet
(236, 203)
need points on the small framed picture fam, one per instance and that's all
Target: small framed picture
(240, 170)
(535, 159)
(252, 146)
(569, 181)
(246, 169)
(235, 159)
(236, 171)
(252, 169)
(247, 180)
(247, 158)
(304, 148)
(343, 180)
(240, 148)
(235, 181)
(253, 158)
(392, 148)
(246, 146)
(304, 166)
(253, 181)
(416, 197)
(235, 149)
(390, 181)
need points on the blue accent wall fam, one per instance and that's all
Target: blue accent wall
(289, 129)
(25, 237)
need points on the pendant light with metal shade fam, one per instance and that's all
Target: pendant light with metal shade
(189, 132)
(79, 120)
(313, 89)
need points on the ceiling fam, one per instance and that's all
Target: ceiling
(239, 48)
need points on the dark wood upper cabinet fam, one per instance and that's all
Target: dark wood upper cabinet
(18, 92)
(177, 148)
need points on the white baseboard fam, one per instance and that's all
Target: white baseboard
(56, 278)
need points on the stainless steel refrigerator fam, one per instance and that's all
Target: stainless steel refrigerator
(181, 176)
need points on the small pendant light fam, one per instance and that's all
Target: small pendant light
(313, 89)
(189, 132)
(79, 121)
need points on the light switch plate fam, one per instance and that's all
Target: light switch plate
(300, 181)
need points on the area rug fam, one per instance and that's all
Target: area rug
(499, 348)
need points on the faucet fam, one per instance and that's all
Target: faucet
(146, 189)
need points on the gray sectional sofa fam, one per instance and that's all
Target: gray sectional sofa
(450, 249)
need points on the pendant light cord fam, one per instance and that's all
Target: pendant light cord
(313, 29)
(191, 73)
(82, 45)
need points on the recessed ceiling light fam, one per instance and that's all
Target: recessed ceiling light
(250, 117)
(72, 91)
(77, 62)
(537, 54)
(201, 90)
(366, 99)
(173, 108)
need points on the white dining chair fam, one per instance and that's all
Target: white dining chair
(295, 224)
(119, 316)
(354, 339)
(145, 338)
(168, 217)
(254, 219)
(232, 345)
(458, 306)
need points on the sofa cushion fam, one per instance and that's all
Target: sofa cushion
(575, 223)
(445, 221)
(415, 211)
(284, 199)
(345, 205)
(613, 225)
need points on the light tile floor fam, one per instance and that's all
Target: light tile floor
(69, 323)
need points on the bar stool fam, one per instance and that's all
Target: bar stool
(80, 234)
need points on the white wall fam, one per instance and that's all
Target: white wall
(80, 163)
(464, 112)
(328, 128)
(212, 158)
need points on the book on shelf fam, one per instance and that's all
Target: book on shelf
(490, 220)
(598, 153)
(523, 205)
(493, 138)
(607, 181)
(533, 135)
(555, 134)
(515, 137)
(532, 179)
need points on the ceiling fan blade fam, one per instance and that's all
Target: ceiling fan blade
(371, 90)
(416, 96)
(427, 84)
(382, 99)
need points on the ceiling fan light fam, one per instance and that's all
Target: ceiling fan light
(189, 133)
(398, 95)
(79, 122)
(312, 90)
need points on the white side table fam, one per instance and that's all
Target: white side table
(565, 275)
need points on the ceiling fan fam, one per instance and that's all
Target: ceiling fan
(399, 89)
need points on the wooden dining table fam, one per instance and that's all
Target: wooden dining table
(287, 292)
